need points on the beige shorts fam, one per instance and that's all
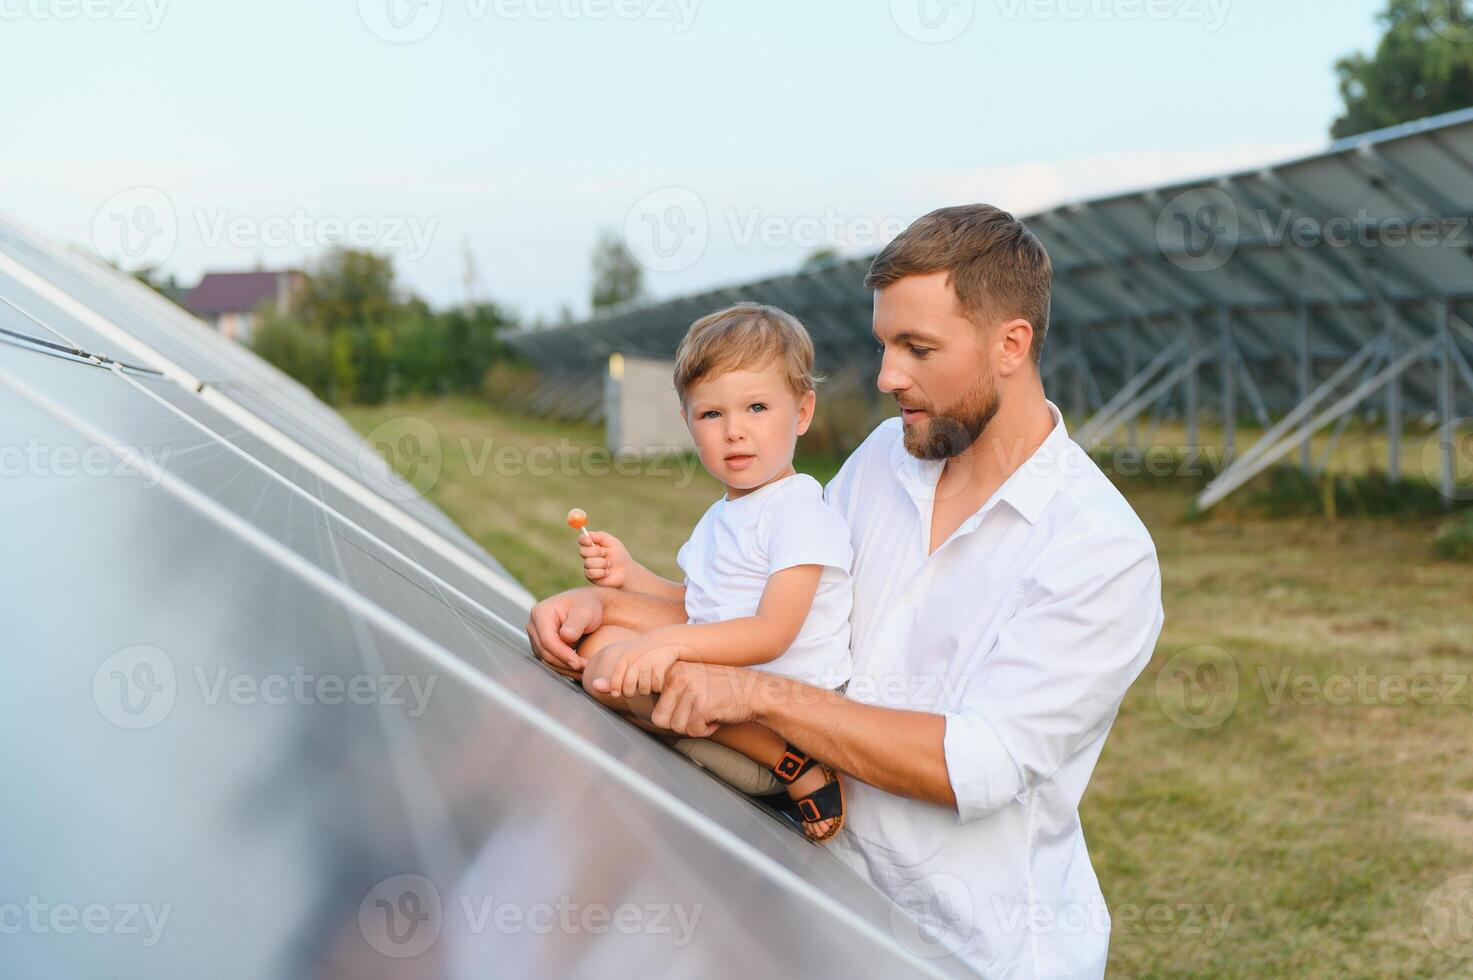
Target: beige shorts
(752, 778)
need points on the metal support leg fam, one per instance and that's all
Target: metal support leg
(1189, 410)
(1132, 429)
(1445, 409)
(1226, 376)
(1393, 408)
(1306, 457)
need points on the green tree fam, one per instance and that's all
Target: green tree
(1422, 66)
(822, 255)
(617, 276)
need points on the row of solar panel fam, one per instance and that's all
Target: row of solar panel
(256, 727)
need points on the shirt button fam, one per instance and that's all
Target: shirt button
(908, 600)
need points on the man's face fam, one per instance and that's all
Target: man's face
(935, 363)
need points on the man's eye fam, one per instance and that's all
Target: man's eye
(919, 351)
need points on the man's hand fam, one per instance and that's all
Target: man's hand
(697, 698)
(562, 620)
(606, 561)
(636, 667)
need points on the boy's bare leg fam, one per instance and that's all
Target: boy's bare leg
(765, 746)
(757, 742)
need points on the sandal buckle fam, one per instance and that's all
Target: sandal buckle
(789, 766)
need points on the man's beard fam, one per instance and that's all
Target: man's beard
(943, 435)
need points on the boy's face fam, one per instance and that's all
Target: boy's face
(746, 424)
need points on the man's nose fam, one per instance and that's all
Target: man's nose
(890, 380)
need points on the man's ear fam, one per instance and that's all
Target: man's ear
(806, 404)
(1015, 344)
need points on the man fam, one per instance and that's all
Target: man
(1005, 597)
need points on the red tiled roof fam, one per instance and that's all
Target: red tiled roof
(232, 292)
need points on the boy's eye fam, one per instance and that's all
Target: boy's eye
(758, 407)
(710, 414)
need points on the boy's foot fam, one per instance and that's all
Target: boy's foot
(817, 791)
(806, 785)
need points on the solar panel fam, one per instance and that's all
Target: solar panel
(261, 721)
(1278, 277)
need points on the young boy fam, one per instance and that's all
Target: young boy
(767, 567)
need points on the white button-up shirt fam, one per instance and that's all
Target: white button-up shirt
(1024, 628)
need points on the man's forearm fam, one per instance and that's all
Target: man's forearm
(898, 751)
(638, 611)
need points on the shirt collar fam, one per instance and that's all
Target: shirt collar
(1028, 490)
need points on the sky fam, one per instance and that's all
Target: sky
(724, 140)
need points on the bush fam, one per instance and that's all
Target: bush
(1287, 491)
(1455, 539)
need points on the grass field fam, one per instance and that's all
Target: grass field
(1288, 791)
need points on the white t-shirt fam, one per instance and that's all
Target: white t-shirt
(738, 545)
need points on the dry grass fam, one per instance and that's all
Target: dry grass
(1295, 837)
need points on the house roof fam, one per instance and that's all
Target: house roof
(232, 292)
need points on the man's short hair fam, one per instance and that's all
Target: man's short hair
(998, 269)
(743, 336)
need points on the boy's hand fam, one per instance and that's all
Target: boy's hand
(606, 561)
(638, 667)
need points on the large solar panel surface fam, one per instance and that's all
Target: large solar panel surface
(269, 715)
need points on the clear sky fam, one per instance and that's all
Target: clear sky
(736, 134)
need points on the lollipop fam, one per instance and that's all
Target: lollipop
(578, 521)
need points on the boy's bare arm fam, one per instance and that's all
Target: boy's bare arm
(750, 640)
(608, 563)
(640, 667)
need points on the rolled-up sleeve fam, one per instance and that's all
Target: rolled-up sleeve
(1060, 667)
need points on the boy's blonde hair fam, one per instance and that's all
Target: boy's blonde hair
(744, 336)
